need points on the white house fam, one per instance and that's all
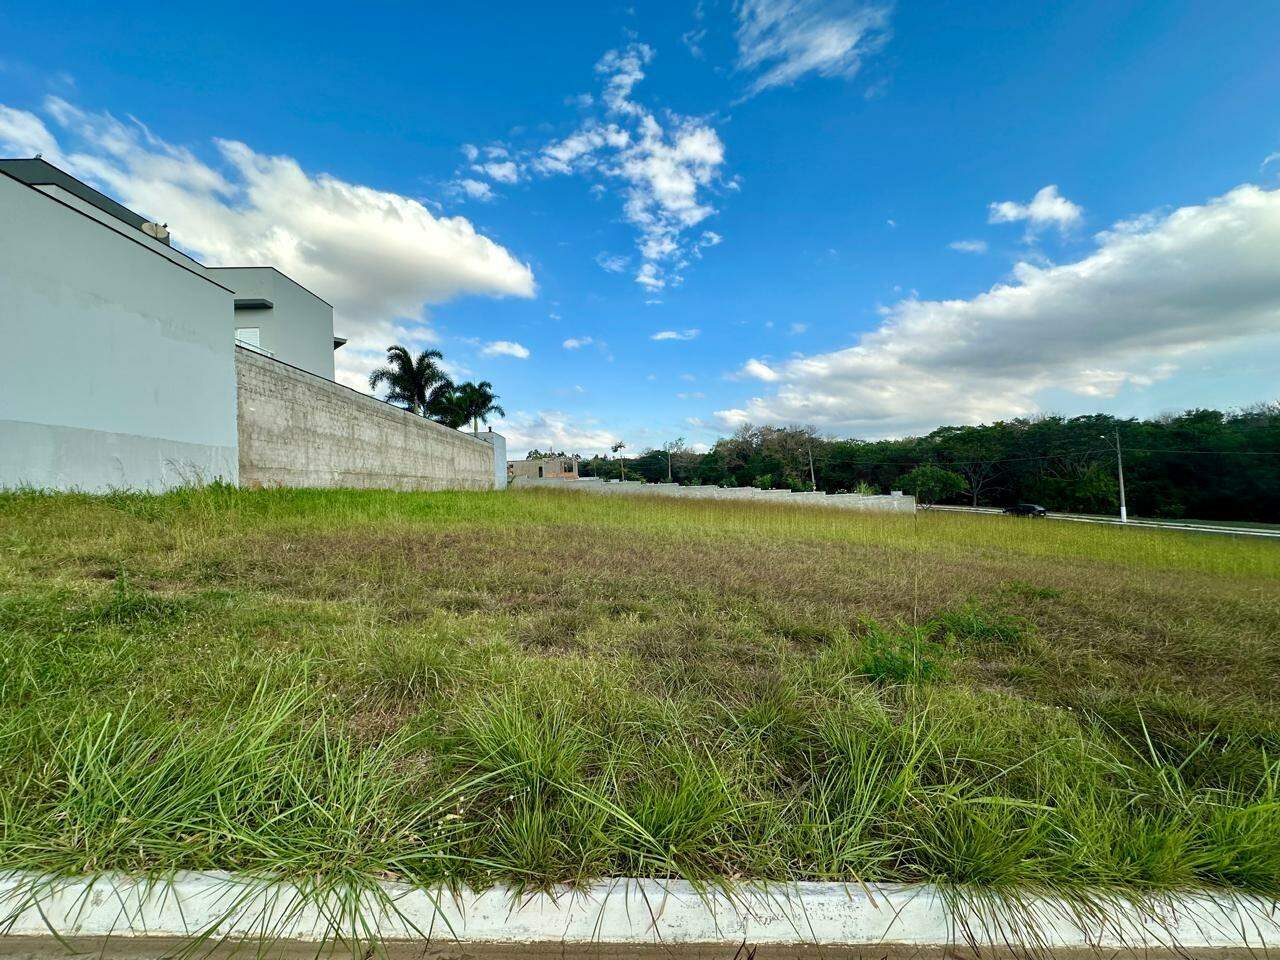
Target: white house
(119, 365)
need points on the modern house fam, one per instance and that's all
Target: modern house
(127, 363)
(279, 317)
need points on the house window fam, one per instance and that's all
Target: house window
(568, 466)
(539, 471)
(249, 336)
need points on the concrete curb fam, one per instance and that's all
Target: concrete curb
(631, 913)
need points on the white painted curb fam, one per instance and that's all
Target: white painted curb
(633, 912)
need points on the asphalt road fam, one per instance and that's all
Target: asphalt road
(1157, 524)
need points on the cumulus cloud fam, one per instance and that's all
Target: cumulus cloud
(504, 172)
(780, 41)
(665, 170)
(474, 189)
(1048, 208)
(1156, 292)
(506, 348)
(675, 334)
(577, 343)
(759, 370)
(969, 246)
(554, 430)
(379, 257)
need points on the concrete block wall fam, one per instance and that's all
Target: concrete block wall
(842, 501)
(300, 430)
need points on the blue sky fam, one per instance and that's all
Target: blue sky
(648, 221)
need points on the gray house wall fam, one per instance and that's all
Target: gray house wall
(116, 368)
(299, 430)
(297, 328)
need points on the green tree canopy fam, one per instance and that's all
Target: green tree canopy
(416, 383)
(930, 484)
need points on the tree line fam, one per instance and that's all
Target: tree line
(420, 385)
(1199, 464)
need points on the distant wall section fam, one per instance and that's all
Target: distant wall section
(897, 503)
(300, 430)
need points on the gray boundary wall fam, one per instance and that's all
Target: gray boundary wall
(300, 430)
(842, 501)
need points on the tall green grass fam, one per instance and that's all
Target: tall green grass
(307, 685)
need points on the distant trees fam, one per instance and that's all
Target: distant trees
(1202, 464)
(930, 484)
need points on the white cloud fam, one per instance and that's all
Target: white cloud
(506, 348)
(1047, 208)
(1156, 292)
(379, 257)
(969, 246)
(675, 334)
(613, 263)
(25, 134)
(475, 189)
(760, 371)
(666, 170)
(780, 41)
(554, 430)
(693, 395)
(576, 343)
(504, 172)
(649, 277)
(622, 70)
(692, 39)
(798, 328)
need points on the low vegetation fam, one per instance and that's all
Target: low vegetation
(538, 687)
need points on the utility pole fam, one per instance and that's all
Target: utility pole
(813, 479)
(668, 466)
(1124, 512)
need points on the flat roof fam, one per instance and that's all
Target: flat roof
(123, 234)
(38, 172)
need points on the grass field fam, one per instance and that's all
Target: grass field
(536, 687)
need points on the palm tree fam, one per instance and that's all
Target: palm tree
(417, 385)
(475, 402)
(618, 448)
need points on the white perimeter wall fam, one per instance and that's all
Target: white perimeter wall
(844, 501)
(116, 363)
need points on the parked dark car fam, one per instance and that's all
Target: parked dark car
(1027, 510)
